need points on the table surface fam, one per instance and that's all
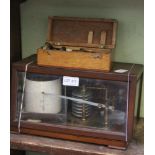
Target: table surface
(63, 147)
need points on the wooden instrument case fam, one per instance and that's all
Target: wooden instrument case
(88, 43)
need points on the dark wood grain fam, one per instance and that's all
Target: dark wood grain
(15, 31)
(15, 45)
(59, 147)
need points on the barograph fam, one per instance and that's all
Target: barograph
(78, 105)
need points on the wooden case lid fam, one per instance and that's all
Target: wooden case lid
(82, 32)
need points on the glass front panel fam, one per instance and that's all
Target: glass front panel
(93, 103)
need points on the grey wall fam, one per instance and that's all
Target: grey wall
(129, 14)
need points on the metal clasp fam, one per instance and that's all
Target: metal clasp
(57, 43)
(101, 46)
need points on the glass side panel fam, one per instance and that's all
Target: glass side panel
(41, 99)
(94, 103)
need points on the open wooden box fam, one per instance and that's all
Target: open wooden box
(87, 42)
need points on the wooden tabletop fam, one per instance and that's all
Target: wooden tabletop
(63, 147)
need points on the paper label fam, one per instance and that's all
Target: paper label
(120, 70)
(70, 81)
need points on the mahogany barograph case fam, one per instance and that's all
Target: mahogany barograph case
(86, 106)
(79, 43)
(80, 104)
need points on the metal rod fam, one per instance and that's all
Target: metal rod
(80, 101)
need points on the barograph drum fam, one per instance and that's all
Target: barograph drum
(35, 98)
(79, 109)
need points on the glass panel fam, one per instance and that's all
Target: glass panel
(98, 104)
(38, 105)
(106, 109)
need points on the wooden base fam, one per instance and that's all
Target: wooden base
(64, 147)
(112, 143)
